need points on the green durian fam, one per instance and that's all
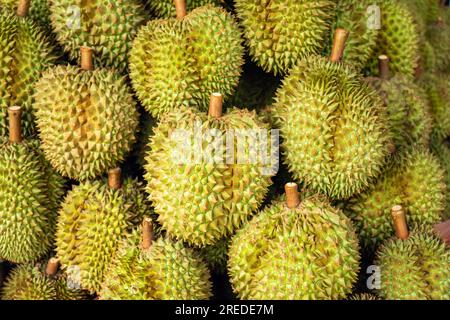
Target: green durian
(438, 35)
(166, 8)
(92, 220)
(363, 296)
(108, 26)
(39, 12)
(167, 270)
(424, 11)
(87, 120)
(441, 149)
(415, 180)
(309, 251)
(186, 63)
(200, 193)
(216, 255)
(280, 33)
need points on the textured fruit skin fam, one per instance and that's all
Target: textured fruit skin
(441, 149)
(363, 296)
(280, 33)
(415, 268)
(334, 128)
(166, 8)
(166, 271)
(39, 12)
(91, 222)
(30, 192)
(29, 282)
(200, 200)
(177, 63)
(24, 54)
(309, 252)
(438, 35)
(87, 120)
(216, 255)
(415, 181)
(108, 26)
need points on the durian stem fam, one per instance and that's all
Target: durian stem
(292, 196)
(400, 226)
(15, 128)
(340, 38)
(443, 230)
(23, 7)
(147, 233)
(86, 59)
(215, 105)
(180, 7)
(383, 67)
(114, 178)
(52, 266)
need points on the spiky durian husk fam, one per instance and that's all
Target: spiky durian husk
(87, 120)
(415, 268)
(310, 252)
(438, 35)
(363, 296)
(280, 33)
(30, 191)
(216, 255)
(441, 149)
(166, 8)
(334, 128)
(108, 26)
(91, 222)
(166, 271)
(141, 148)
(415, 181)
(201, 200)
(24, 54)
(39, 12)
(185, 64)
(424, 11)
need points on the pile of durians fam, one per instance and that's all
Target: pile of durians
(98, 201)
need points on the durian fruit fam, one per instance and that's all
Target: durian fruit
(166, 9)
(441, 149)
(280, 33)
(414, 265)
(425, 11)
(39, 11)
(162, 269)
(108, 26)
(92, 220)
(216, 255)
(333, 125)
(87, 118)
(363, 296)
(40, 282)
(204, 175)
(415, 180)
(30, 192)
(179, 62)
(24, 54)
(398, 38)
(295, 250)
(438, 35)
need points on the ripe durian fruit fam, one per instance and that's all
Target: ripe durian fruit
(179, 62)
(438, 35)
(333, 125)
(24, 54)
(87, 118)
(40, 282)
(363, 296)
(295, 250)
(280, 33)
(414, 265)
(162, 269)
(39, 11)
(92, 220)
(30, 192)
(415, 180)
(166, 9)
(216, 255)
(442, 151)
(203, 190)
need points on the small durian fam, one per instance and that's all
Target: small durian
(414, 265)
(93, 219)
(87, 118)
(39, 11)
(216, 255)
(295, 250)
(179, 62)
(40, 282)
(333, 125)
(30, 192)
(162, 269)
(281, 33)
(204, 171)
(166, 9)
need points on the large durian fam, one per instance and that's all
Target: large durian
(39, 11)
(280, 33)
(24, 54)
(179, 62)
(415, 180)
(333, 125)
(166, 9)
(108, 26)
(30, 192)
(203, 190)
(87, 118)
(162, 269)
(93, 219)
(295, 250)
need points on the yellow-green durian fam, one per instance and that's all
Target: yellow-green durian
(363, 296)
(166, 8)
(39, 11)
(441, 149)
(216, 255)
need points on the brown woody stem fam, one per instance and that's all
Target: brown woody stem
(23, 7)
(292, 196)
(215, 105)
(180, 7)
(383, 67)
(400, 226)
(147, 233)
(114, 178)
(86, 58)
(52, 266)
(15, 128)
(340, 38)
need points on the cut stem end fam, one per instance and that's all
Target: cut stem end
(52, 266)
(180, 7)
(215, 105)
(147, 233)
(86, 58)
(383, 67)
(292, 195)
(23, 8)
(400, 225)
(340, 38)
(114, 178)
(15, 128)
